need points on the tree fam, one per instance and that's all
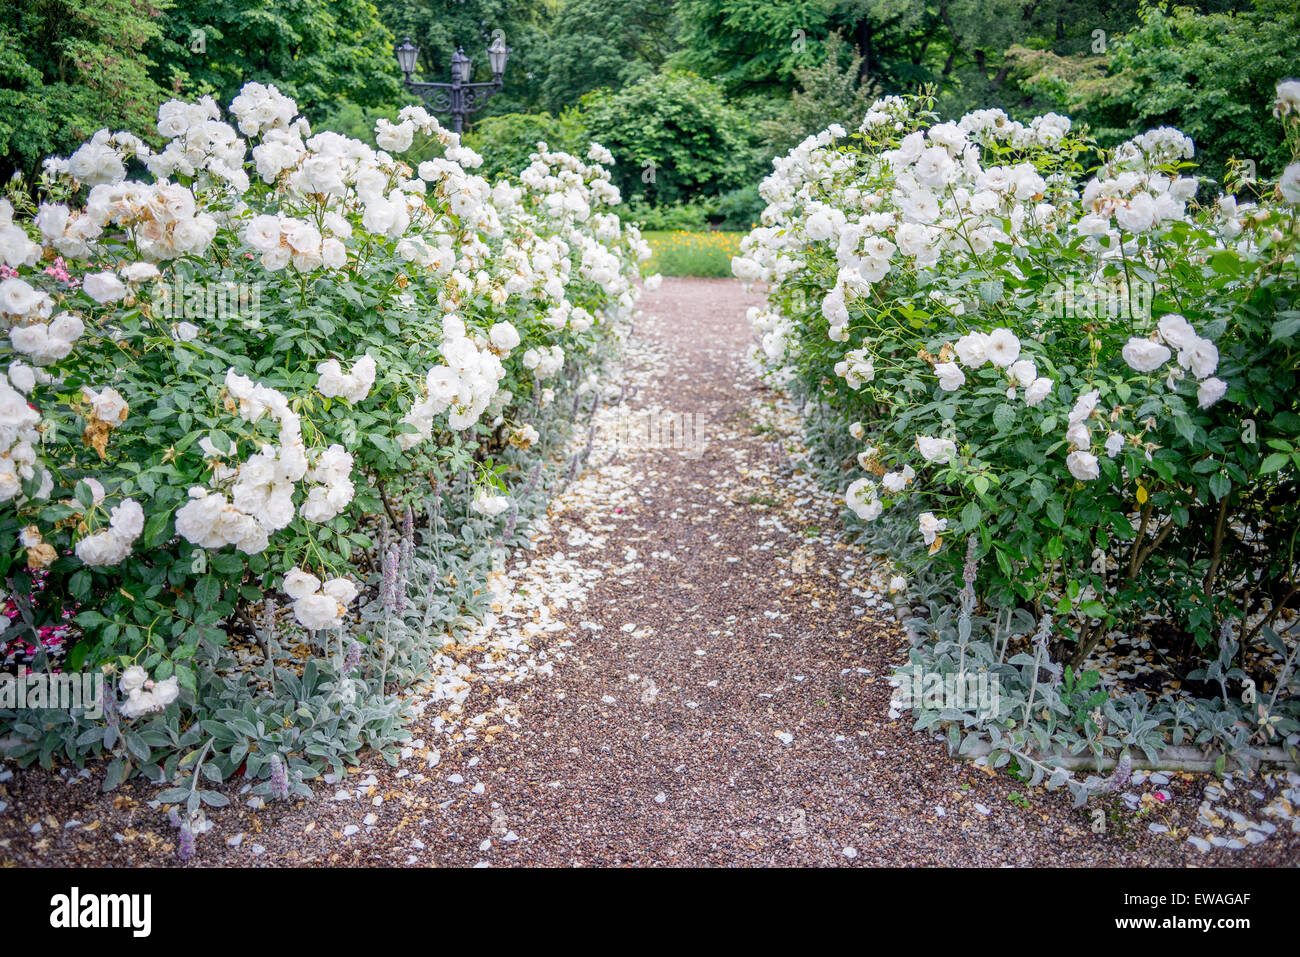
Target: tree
(68, 69)
(596, 43)
(319, 52)
(1210, 75)
(829, 92)
(674, 137)
(752, 44)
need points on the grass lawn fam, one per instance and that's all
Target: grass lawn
(681, 253)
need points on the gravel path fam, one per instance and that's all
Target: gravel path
(707, 686)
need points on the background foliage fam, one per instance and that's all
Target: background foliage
(764, 73)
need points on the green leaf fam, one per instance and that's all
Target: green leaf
(1287, 327)
(1093, 609)
(208, 591)
(136, 745)
(113, 776)
(1004, 417)
(155, 530)
(1056, 512)
(1220, 485)
(1274, 462)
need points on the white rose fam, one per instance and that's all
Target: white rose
(931, 526)
(861, 497)
(1144, 355)
(1176, 331)
(938, 451)
(137, 703)
(127, 520)
(1002, 348)
(317, 612)
(951, 378)
(1210, 391)
(1084, 406)
(1038, 390)
(341, 590)
(102, 549)
(1082, 465)
(1290, 184)
(503, 336)
(1078, 435)
(166, 691)
(23, 377)
(1024, 372)
(107, 405)
(103, 287)
(17, 298)
(1201, 356)
(299, 584)
(139, 272)
(972, 349)
(489, 505)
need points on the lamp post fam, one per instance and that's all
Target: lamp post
(460, 97)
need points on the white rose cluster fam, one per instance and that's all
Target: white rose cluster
(32, 331)
(923, 196)
(113, 545)
(353, 385)
(333, 489)
(16, 247)
(532, 250)
(1174, 335)
(318, 606)
(462, 386)
(145, 695)
(18, 441)
(199, 144)
(261, 487)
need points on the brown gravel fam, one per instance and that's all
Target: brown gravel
(681, 765)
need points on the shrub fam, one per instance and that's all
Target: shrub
(232, 385)
(1091, 375)
(676, 137)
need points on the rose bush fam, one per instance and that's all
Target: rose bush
(1090, 372)
(232, 363)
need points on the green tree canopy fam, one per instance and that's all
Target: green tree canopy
(1210, 75)
(597, 43)
(673, 136)
(320, 52)
(68, 69)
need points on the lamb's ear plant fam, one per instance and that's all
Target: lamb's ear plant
(247, 373)
(1085, 360)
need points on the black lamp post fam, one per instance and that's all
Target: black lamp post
(460, 97)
